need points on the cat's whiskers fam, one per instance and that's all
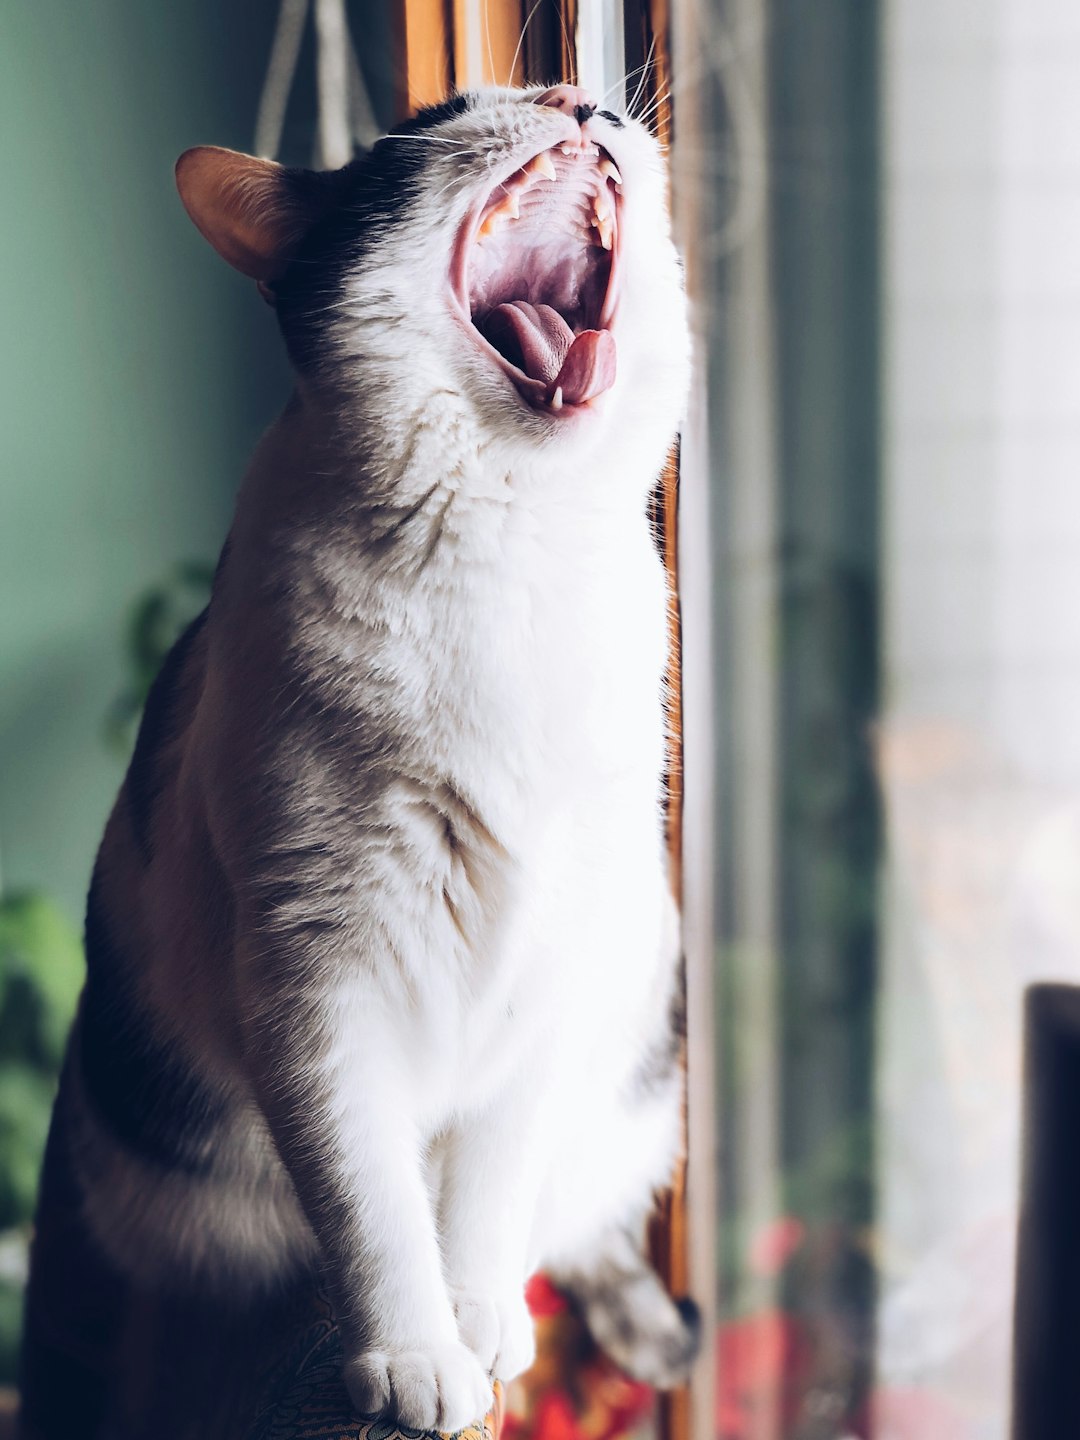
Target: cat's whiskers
(652, 109)
(490, 52)
(570, 50)
(644, 76)
(454, 180)
(521, 40)
(689, 76)
(629, 75)
(625, 79)
(422, 139)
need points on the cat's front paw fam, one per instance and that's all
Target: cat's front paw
(442, 1388)
(498, 1332)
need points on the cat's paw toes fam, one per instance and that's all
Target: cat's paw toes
(498, 1332)
(443, 1388)
(367, 1379)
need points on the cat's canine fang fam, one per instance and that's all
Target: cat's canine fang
(603, 220)
(540, 168)
(544, 166)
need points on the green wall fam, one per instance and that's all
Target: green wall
(136, 372)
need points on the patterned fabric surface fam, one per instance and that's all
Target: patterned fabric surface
(572, 1392)
(306, 1399)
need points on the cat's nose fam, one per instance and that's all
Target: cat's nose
(571, 100)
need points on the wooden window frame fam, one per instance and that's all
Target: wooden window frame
(454, 44)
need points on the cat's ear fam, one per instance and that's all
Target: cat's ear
(253, 212)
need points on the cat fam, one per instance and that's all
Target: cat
(382, 951)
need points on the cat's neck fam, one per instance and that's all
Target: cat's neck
(419, 475)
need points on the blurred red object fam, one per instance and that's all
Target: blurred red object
(543, 1299)
(774, 1244)
(763, 1362)
(573, 1391)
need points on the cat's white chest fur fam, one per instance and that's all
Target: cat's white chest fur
(513, 674)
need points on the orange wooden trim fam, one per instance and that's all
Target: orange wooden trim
(670, 1232)
(448, 44)
(543, 47)
(486, 50)
(568, 40)
(648, 34)
(669, 513)
(507, 57)
(465, 74)
(426, 65)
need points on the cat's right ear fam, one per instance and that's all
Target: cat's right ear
(253, 212)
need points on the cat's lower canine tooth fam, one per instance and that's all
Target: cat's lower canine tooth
(491, 223)
(508, 208)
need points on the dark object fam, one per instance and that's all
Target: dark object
(1046, 1376)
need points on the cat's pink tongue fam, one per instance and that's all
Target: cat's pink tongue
(581, 366)
(589, 367)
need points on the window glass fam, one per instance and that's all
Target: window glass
(880, 206)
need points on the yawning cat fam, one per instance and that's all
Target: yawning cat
(381, 945)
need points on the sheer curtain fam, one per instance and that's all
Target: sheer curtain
(980, 746)
(880, 202)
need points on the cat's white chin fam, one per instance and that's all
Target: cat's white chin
(534, 276)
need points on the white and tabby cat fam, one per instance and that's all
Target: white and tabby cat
(382, 952)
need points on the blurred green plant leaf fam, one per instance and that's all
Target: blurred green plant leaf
(11, 1303)
(26, 1098)
(156, 620)
(41, 971)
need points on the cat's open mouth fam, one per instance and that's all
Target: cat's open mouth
(535, 272)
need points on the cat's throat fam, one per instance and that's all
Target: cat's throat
(536, 271)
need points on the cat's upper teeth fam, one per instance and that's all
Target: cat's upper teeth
(542, 168)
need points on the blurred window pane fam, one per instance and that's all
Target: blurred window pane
(885, 243)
